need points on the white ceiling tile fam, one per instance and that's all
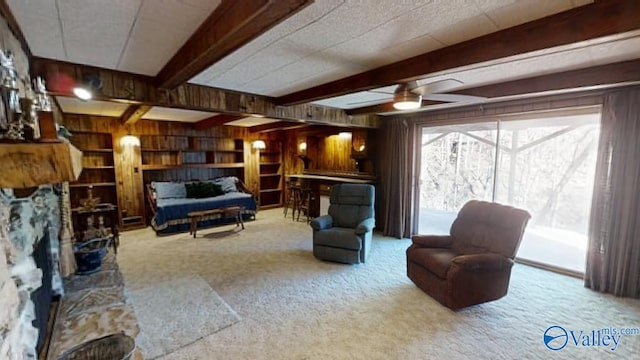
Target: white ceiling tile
(277, 56)
(164, 12)
(150, 47)
(278, 33)
(351, 20)
(96, 34)
(115, 11)
(207, 5)
(415, 46)
(94, 107)
(488, 5)
(524, 11)
(251, 121)
(171, 114)
(40, 8)
(464, 30)
(44, 36)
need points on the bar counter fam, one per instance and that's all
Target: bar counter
(316, 182)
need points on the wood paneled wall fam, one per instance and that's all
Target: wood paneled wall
(129, 167)
(329, 152)
(334, 154)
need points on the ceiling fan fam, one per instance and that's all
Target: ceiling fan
(409, 95)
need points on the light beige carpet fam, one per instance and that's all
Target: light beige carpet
(177, 312)
(296, 307)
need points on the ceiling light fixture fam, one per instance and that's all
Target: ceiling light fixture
(82, 93)
(405, 99)
(84, 90)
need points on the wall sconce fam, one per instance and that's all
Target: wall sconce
(344, 135)
(129, 140)
(259, 145)
(303, 147)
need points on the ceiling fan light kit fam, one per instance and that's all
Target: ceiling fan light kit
(405, 99)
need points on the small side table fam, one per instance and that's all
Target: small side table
(225, 213)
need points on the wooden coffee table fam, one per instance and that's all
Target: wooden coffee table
(225, 213)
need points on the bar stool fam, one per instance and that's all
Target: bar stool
(306, 194)
(293, 194)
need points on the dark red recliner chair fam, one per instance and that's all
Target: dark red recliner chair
(473, 264)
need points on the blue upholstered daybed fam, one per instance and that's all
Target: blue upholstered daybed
(170, 204)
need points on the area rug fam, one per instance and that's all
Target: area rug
(176, 313)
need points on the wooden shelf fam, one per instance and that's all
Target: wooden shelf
(98, 167)
(97, 150)
(271, 168)
(270, 190)
(92, 184)
(162, 150)
(196, 166)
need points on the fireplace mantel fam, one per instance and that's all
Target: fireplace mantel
(31, 164)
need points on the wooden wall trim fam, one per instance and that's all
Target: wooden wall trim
(139, 89)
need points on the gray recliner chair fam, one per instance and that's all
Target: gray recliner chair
(344, 235)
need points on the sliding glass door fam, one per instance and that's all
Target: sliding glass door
(457, 166)
(544, 164)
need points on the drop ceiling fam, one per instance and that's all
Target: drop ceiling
(326, 41)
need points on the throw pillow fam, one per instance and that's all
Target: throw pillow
(228, 183)
(203, 190)
(167, 190)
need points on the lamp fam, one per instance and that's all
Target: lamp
(302, 147)
(129, 140)
(259, 145)
(405, 99)
(344, 135)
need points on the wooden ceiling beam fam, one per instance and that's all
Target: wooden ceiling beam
(592, 78)
(134, 113)
(279, 125)
(231, 25)
(599, 19)
(217, 120)
(130, 88)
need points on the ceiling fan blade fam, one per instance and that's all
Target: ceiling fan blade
(455, 98)
(437, 86)
(370, 102)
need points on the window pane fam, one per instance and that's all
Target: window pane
(457, 165)
(547, 167)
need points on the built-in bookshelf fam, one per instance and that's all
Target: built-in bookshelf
(166, 152)
(271, 172)
(97, 180)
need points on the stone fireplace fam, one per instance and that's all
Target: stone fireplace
(27, 224)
